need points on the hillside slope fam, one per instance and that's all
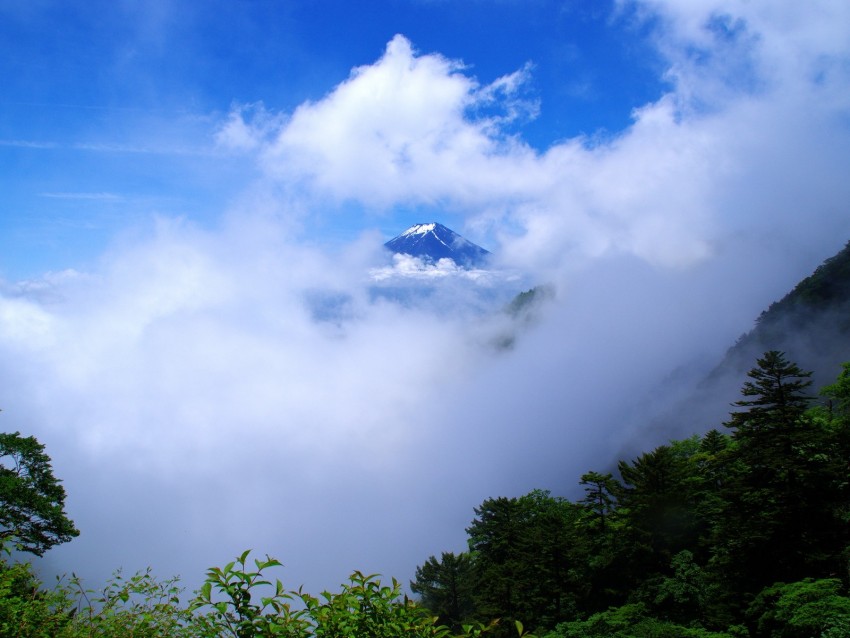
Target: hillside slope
(811, 325)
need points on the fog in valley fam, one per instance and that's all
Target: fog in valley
(205, 389)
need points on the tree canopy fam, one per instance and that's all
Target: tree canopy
(745, 533)
(32, 500)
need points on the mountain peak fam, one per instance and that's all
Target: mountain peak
(420, 229)
(433, 241)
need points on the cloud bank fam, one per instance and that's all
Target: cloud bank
(197, 404)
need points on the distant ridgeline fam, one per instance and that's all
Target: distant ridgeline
(432, 242)
(811, 324)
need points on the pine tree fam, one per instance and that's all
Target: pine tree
(777, 497)
(777, 388)
(445, 587)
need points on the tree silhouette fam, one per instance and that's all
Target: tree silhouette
(32, 500)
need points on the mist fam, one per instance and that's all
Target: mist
(203, 390)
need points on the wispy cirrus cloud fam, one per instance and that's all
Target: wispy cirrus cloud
(34, 144)
(112, 147)
(106, 197)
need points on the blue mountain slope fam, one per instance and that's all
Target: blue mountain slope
(434, 241)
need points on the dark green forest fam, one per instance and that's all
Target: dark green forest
(811, 324)
(744, 531)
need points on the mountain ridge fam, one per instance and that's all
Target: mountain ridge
(433, 241)
(810, 324)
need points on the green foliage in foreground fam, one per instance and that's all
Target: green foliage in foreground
(239, 600)
(798, 610)
(634, 621)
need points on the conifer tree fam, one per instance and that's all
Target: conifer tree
(776, 501)
(445, 587)
(778, 399)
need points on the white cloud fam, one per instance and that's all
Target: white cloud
(399, 130)
(197, 402)
(745, 79)
(247, 127)
(407, 266)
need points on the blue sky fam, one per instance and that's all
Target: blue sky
(193, 199)
(110, 110)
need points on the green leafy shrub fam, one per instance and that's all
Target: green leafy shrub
(629, 621)
(26, 610)
(801, 609)
(235, 607)
(240, 601)
(137, 607)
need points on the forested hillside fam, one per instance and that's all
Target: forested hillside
(811, 323)
(744, 531)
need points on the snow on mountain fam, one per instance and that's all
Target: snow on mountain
(432, 242)
(430, 266)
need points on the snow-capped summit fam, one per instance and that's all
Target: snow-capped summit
(434, 241)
